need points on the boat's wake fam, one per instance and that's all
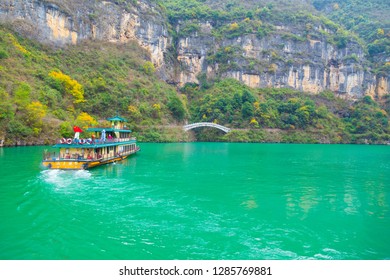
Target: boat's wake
(64, 179)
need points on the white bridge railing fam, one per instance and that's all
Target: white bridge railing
(206, 124)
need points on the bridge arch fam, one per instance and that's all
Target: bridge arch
(206, 124)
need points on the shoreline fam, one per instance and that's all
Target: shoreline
(30, 144)
(156, 134)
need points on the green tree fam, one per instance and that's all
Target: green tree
(17, 129)
(247, 96)
(247, 110)
(148, 67)
(3, 54)
(66, 130)
(22, 95)
(6, 109)
(175, 105)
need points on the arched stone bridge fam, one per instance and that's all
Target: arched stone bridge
(206, 124)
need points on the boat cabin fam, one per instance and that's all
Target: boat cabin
(107, 144)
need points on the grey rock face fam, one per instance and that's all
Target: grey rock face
(311, 65)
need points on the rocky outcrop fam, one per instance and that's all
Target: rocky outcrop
(285, 58)
(60, 23)
(279, 61)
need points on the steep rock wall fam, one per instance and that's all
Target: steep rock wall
(60, 23)
(278, 61)
(307, 64)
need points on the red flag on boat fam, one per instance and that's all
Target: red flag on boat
(77, 129)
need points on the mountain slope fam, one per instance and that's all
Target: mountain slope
(42, 87)
(261, 43)
(368, 19)
(86, 61)
(272, 43)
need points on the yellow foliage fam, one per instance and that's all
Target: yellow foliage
(149, 68)
(157, 107)
(85, 120)
(36, 111)
(265, 116)
(256, 104)
(132, 109)
(71, 86)
(233, 26)
(293, 100)
(37, 131)
(380, 32)
(134, 112)
(253, 122)
(303, 108)
(18, 45)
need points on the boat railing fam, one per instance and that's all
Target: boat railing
(100, 128)
(90, 141)
(53, 156)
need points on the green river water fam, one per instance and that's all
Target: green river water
(208, 201)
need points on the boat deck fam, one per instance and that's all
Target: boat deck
(54, 162)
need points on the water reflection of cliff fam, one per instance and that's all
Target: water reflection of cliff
(346, 200)
(378, 199)
(302, 203)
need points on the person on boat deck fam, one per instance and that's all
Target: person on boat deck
(77, 131)
(103, 136)
(109, 136)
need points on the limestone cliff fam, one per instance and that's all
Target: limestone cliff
(311, 64)
(60, 23)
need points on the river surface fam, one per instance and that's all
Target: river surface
(208, 201)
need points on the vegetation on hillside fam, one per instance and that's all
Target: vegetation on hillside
(284, 115)
(236, 18)
(370, 20)
(362, 22)
(270, 26)
(44, 91)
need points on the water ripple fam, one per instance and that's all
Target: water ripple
(203, 201)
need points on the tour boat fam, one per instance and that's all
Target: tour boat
(111, 144)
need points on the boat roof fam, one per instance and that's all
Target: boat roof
(107, 129)
(117, 118)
